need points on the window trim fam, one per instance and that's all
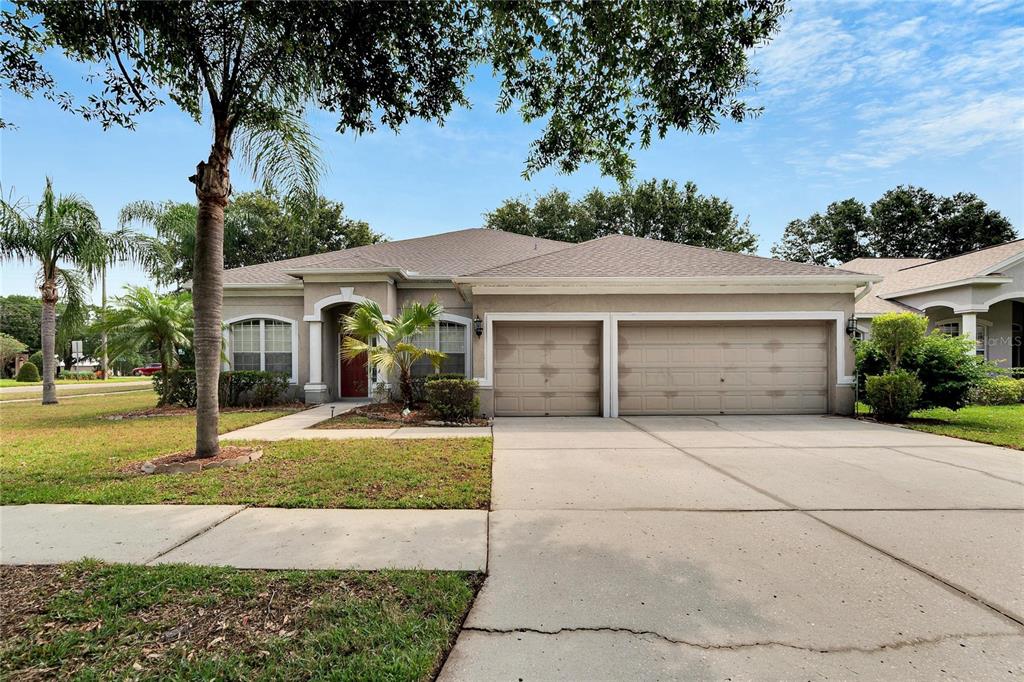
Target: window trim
(467, 327)
(294, 378)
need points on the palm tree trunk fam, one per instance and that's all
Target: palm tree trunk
(213, 185)
(405, 382)
(48, 330)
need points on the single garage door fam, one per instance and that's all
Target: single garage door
(723, 368)
(543, 369)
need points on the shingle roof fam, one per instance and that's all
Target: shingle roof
(882, 266)
(443, 255)
(623, 256)
(929, 273)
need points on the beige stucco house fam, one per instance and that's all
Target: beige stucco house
(613, 326)
(979, 294)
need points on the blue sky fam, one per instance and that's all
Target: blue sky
(859, 97)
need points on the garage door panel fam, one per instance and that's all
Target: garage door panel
(721, 368)
(547, 369)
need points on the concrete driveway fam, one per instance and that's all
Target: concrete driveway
(747, 548)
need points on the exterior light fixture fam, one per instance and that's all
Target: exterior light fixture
(478, 326)
(851, 326)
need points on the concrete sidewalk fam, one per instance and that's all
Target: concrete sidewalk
(227, 535)
(299, 425)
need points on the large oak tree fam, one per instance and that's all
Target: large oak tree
(600, 76)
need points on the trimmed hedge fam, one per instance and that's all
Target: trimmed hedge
(454, 400)
(893, 396)
(998, 391)
(28, 373)
(237, 389)
(419, 385)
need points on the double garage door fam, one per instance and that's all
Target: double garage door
(663, 368)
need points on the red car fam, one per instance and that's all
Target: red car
(147, 370)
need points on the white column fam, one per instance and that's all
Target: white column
(969, 328)
(316, 359)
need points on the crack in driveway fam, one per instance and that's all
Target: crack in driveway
(888, 646)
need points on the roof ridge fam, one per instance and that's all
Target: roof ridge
(936, 261)
(722, 251)
(568, 246)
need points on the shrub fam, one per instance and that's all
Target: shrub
(419, 386)
(28, 372)
(893, 334)
(893, 396)
(36, 359)
(946, 365)
(237, 389)
(998, 391)
(77, 376)
(454, 400)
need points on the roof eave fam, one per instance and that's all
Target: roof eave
(989, 280)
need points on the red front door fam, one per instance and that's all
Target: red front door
(354, 382)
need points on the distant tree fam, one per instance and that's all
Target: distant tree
(259, 227)
(64, 231)
(21, 317)
(601, 77)
(836, 237)
(652, 209)
(905, 222)
(9, 349)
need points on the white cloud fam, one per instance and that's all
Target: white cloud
(898, 81)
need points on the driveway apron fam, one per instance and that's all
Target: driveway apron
(746, 548)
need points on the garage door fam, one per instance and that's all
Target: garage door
(545, 369)
(725, 368)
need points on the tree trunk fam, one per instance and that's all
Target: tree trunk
(405, 381)
(105, 361)
(48, 329)
(213, 185)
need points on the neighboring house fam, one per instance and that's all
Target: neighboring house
(979, 294)
(617, 325)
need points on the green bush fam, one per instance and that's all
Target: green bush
(37, 359)
(77, 376)
(454, 400)
(419, 386)
(998, 391)
(28, 373)
(946, 365)
(893, 396)
(894, 334)
(236, 389)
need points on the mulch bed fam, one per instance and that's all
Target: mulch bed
(227, 452)
(177, 411)
(389, 415)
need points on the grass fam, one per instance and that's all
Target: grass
(995, 424)
(8, 383)
(95, 621)
(67, 391)
(69, 454)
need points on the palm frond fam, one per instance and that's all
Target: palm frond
(352, 348)
(280, 150)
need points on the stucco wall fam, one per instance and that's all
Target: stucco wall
(447, 297)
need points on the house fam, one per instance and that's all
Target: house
(980, 294)
(617, 325)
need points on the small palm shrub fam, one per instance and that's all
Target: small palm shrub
(29, 372)
(998, 391)
(894, 395)
(454, 400)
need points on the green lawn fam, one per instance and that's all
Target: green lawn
(8, 383)
(995, 424)
(69, 453)
(94, 621)
(68, 390)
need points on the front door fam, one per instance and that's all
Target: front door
(354, 377)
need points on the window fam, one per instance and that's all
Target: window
(448, 337)
(952, 328)
(262, 345)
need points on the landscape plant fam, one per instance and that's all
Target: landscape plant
(599, 77)
(893, 395)
(394, 350)
(141, 319)
(64, 237)
(10, 347)
(453, 400)
(28, 373)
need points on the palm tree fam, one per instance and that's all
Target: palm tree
(142, 319)
(394, 349)
(66, 239)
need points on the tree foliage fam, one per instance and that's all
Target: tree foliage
(9, 349)
(598, 77)
(652, 209)
(259, 227)
(21, 317)
(905, 222)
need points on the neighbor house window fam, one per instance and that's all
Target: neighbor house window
(447, 337)
(264, 345)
